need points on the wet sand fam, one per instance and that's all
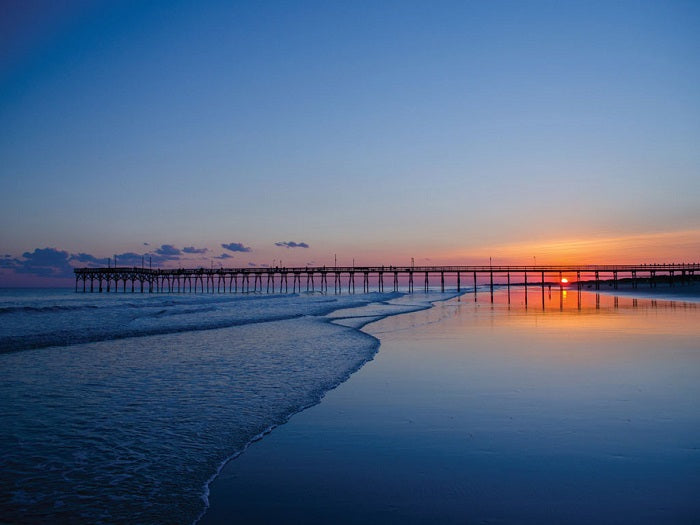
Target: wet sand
(572, 409)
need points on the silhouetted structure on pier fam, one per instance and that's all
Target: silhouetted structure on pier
(285, 280)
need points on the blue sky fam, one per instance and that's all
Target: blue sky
(378, 131)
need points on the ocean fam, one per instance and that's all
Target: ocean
(124, 407)
(570, 408)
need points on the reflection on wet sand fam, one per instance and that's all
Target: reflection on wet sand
(559, 407)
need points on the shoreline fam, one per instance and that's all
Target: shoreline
(332, 319)
(350, 427)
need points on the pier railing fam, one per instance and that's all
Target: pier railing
(277, 279)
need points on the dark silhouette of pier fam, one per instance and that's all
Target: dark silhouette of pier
(379, 278)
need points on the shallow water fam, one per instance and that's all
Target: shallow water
(121, 408)
(566, 409)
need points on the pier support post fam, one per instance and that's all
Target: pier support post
(526, 289)
(542, 286)
(508, 281)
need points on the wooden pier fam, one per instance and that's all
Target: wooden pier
(368, 278)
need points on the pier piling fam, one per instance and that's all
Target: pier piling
(201, 280)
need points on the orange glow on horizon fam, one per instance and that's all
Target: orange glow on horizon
(661, 247)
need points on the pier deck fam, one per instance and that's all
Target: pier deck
(298, 279)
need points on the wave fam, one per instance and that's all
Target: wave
(63, 325)
(45, 309)
(225, 388)
(34, 342)
(341, 317)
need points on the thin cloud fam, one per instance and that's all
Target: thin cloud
(52, 262)
(224, 256)
(122, 259)
(166, 253)
(192, 249)
(130, 259)
(236, 247)
(89, 259)
(43, 262)
(9, 262)
(292, 244)
(168, 250)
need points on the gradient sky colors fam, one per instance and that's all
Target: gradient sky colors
(377, 131)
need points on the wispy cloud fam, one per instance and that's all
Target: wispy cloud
(168, 250)
(42, 262)
(56, 263)
(292, 244)
(89, 259)
(122, 259)
(8, 262)
(132, 259)
(192, 249)
(236, 247)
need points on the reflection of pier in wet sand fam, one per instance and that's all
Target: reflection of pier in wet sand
(277, 279)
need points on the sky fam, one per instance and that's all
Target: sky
(204, 133)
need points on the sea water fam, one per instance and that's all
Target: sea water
(569, 407)
(123, 407)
